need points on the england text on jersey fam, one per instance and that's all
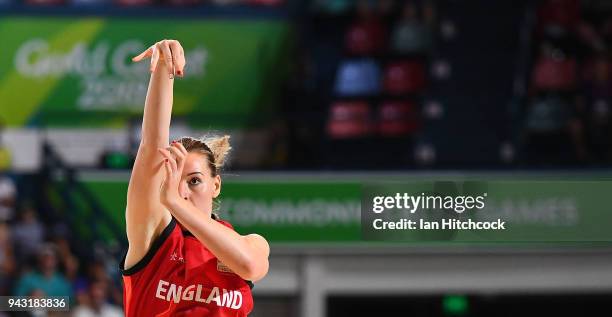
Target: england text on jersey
(197, 292)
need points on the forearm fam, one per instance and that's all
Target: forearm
(143, 210)
(158, 109)
(227, 245)
(145, 215)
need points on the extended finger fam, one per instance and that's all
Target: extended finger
(154, 58)
(168, 170)
(169, 158)
(165, 153)
(180, 152)
(147, 53)
(181, 148)
(178, 57)
(175, 146)
(180, 157)
(168, 58)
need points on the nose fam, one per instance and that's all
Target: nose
(184, 190)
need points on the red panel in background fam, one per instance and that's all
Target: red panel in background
(366, 38)
(397, 118)
(562, 13)
(554, 74)
(349, 119)
(404, 77)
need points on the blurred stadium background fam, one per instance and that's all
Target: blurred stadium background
(319, 96)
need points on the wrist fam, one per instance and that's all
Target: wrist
(162, 70)
(171, 202)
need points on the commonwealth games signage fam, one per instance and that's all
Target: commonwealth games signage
(78, 71)
(301, 209)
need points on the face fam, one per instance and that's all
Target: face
(98, 292)
(198, 186)
(48, 262)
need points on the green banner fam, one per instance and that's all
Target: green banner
(327, 211)
(77, 72)
(283, 211)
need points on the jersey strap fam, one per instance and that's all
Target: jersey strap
(150, 253)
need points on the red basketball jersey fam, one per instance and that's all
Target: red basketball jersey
(179, 276)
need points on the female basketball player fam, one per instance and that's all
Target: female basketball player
(182, 259)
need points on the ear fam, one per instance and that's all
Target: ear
(217, 186)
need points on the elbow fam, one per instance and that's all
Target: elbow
(255, 264)
(254, 270)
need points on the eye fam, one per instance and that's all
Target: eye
(194, 181)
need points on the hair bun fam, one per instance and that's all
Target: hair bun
(220, 147)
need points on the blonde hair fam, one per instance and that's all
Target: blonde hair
(216, 149)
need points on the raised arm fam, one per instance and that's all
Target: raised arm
(145, 216)
(245, 255)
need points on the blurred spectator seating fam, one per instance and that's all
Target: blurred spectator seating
(184, 2)
(8, 196)
(8, 264)
(410, 36)
(225, 2)
(596, 107)
(366, 37)
(358, 77)
(548, 114)
(46, 280)
(597, 79)
(551, 132)
(28, 233)
(332, 6)
(397, 119)
(598, 131)
(97, 304)
(134, 2)
(558, 16)
(554, 73)
(272, 3)
(404, 77)
(90, 2)
(349, 119)
(45, 2)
